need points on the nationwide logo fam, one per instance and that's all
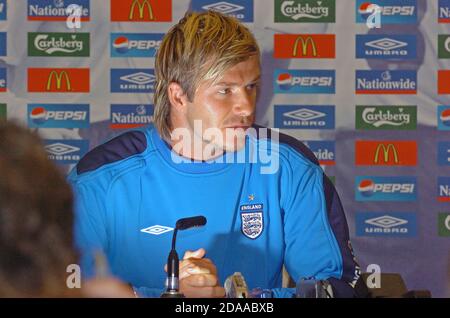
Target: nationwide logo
(386, 82)
(2, 111)
(242, 10)
(311, 46)
(132, 80)
(124, 116)
(2, 10)
(304, 81)
(444, 11)
(444, 224)
(373, 46)
(395, 224)
(141, 10)
(135, 44)
(3, 44)
(3, 83)
(385, 153)
(371, 188)
(306, 11)
(444, 82)
(443, 117)
(323, 150)
(386, 117)
(58, 44)
(58, 80)
(444, 153)
(66, 151)
(443, 46)
(55, 10)
(443, 189)
(392, 11)
(304, 117)
(58, 115)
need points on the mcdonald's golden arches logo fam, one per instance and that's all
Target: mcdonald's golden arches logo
(141, 5)
(386, 153)
(317, 46)
(305, 45)
(58, 80)
(141, 10)
(58, 76)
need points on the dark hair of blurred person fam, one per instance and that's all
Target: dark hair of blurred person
(36, 224)
(35, 219)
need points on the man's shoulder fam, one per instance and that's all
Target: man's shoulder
(128, 145)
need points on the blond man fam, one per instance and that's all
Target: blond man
(266, 199)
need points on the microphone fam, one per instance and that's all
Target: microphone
(173, 262)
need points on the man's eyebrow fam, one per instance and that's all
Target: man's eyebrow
(235, 84)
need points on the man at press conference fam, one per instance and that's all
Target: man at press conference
(261, 214)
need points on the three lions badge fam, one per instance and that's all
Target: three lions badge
(252, 222)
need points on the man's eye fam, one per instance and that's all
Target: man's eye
(252, 86)
(224, 91)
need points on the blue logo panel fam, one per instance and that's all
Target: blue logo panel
(444, 153)
(325, 151)
(371, 188)
(3, 82)
(387, 224)
(3, 6)
(135, 44)
(55, 9)
(304, 81)
(386, 82)
(304, 117)
(389, 47)
(132, 80)
(3, 49)
(392, 11)
(240, 9)
(58, 115)
(66, 151)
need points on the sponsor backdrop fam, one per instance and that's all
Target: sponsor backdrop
(372, 103)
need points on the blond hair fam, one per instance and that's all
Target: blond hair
(202, 46)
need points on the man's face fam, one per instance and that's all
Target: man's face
(227, 106)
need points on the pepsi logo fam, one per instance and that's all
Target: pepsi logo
(366, 187)
(38, 115)
(284, 81)
(121, 44)
(363, 9)
(445, 117)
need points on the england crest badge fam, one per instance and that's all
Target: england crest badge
(252, 221)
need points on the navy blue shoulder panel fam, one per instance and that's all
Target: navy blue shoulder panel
(292, 142)
(118, 148)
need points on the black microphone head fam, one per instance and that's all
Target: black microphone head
(187, 223)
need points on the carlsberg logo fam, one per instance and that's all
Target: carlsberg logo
(305, 11)
(58, 44)
(297, 10)
(386, 117)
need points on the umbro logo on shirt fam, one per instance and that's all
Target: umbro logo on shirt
(157, 229)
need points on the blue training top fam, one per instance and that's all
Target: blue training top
(130, 191)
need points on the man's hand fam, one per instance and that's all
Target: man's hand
(198, 276)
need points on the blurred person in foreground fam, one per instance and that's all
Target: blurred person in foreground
(36, 224)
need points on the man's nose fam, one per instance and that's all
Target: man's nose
(244, 104)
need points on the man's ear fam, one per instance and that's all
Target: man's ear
(177, 97)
